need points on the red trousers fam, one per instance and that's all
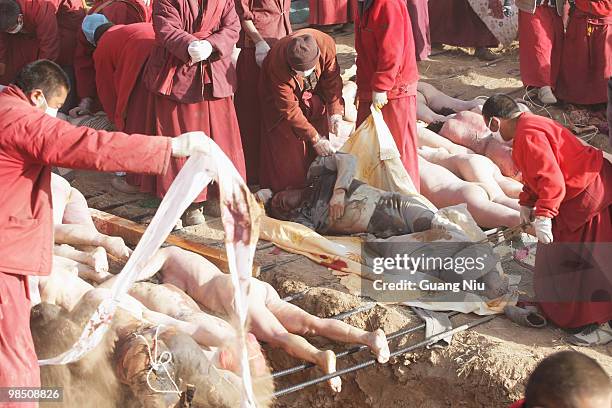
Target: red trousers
(285, 159)
(586, 62)
(573, 275)
(215, 117)
(329, 12)
(454, 22)
(541, 45)
(400, 117)
(246, 102)
(18, 362)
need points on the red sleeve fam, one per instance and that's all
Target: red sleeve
(330, 83)
(542, 173)
(84, 69)
(243, 8)
(169, 32)
(223, 40)
(54, 142)
(527, 197)
(289, 107)
(388, 30)
(47, 31)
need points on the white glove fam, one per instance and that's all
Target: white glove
(190, 143)
(379, 99)
(526, 214)
(83, 108)
(323, 147)
(334, 123)
(261, 50)
(543, 228)
(199, 50)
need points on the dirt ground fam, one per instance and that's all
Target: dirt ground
(484, 367)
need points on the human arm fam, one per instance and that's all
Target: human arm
(261, 46)
(286, 103)
(391, 46)
(83, 235)
(169, 32)
(47, 31)
(343, 164)
(330, 82)
(227, 36)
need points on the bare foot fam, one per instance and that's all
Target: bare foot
(377, 341)
(117, 248)
(327, 362)
(99, 260)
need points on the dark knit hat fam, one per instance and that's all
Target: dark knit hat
(302, 52)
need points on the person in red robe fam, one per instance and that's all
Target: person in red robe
(454, 22)
(263, 23)
(567, 379)
(419, 19)
(117, 12)
(32, 141)
(31, 30)
(332, 13)
(541, 35)
(567, 194)
(191, 82)
(301, 96)
(586, 63)
(387, 73)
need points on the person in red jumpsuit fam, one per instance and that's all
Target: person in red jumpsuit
(387, 73)
(586, 62)
(32, 29)
(567, 195)
(117, 12)
(32, 141)
(264, 22)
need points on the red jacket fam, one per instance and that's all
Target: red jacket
(117, 12)
(54, 23)
(518, 404)
(270, 17)
(169, 71)
(599, 8)
(119, 58)
(385, 48)
(555, 165)
(31, 142)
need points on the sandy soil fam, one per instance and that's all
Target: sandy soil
(485, 367)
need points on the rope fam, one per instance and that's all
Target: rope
(158, 362)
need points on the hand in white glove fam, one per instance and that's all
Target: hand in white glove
(526, 214)
(261, 50)
(199, 50)
(190, 143)
(379, 99)
(323, 147)
(83, 108)
(264, 195)
(543, 228)
(334, 123)
(336, 205)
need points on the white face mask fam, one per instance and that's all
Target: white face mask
(17, 28)
(49, 110)
(305, 73)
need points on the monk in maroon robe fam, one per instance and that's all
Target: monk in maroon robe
(541, 45)
(191, 82)
(117, 12)
(586, 63)
(567, 195)
(419, 18)
(263, 23)
(301, 95)
(327, 13)
(454, 22)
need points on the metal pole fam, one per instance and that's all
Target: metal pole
(428, 341)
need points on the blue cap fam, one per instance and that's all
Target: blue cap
(91, 24)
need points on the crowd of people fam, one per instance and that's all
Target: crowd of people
(171, 75)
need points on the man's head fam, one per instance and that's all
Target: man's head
(303, 54)
(94, 26)
(499, 111)
(45, 85)
(568, 380)
(11, 19)
(284, 203)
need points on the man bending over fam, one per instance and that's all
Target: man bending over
(334, 202)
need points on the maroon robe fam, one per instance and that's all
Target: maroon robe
(188, 97)
(271, 18)
(419, 18)
(326, 12)
(454, 22)
(586, 63)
